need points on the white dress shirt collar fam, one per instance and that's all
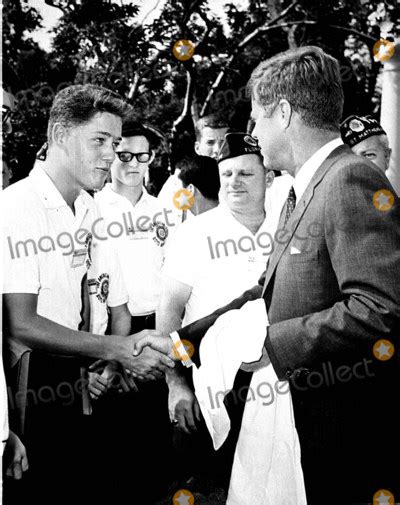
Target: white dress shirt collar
(308, 169)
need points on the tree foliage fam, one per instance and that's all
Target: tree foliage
(102, 42)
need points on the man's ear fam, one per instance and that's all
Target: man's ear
(59, 134)
(388, 154)
(192, 189)
(285, 112)
(197, 147)
(153, 155)
(269, 178)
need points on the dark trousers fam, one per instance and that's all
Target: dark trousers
(135, 439)
(139, 323)
(56, 436)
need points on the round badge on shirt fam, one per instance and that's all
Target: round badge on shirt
(160, 232)
(102, 287)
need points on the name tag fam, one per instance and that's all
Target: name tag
(92, 286)
(78, 258)
(139, 234)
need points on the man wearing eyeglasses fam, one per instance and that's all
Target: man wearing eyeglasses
(125, 200)
(140, 249)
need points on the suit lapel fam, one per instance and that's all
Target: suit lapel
(298, 212)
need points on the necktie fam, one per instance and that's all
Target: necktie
(290, 204)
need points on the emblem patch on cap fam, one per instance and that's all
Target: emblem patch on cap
(249, 140)
(355, 129)
(356, 125)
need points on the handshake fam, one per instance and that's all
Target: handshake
(143, 356)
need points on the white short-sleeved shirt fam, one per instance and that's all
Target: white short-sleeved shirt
(106, 286)
(45, 248)
(139, 239)
(218, 258)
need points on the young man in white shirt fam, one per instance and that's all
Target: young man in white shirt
(139, 226)
(140, 245)
(210, 131)
(50, 235)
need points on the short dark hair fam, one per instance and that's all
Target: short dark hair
(133, 128)
(210, 121)
(77, 104)
(308, 78)
(202, 172)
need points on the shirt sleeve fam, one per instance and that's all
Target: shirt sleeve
(118, 294)
(20, 237)
(181, 259)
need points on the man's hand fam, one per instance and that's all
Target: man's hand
(183, 406)
(104, 375)
(98, 385)
(15, 459)
(150, 364)
(158, 343)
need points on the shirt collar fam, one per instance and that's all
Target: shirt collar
(224, 210)
(113, 197)
(308, 169)
(48, 192)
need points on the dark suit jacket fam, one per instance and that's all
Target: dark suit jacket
(327, 306)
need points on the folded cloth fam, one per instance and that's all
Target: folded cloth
(266, 468)
(237, 336)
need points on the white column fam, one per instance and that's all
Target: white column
(390, 113)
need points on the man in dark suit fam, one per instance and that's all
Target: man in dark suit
(332, 285)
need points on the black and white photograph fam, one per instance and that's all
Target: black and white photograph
(200, 260)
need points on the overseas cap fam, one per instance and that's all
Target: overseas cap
(237, 144)
(355, 129)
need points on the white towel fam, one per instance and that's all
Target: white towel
(266, 468)
(237, 336)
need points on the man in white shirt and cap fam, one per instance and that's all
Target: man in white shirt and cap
(212, 257)
(367, 138)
